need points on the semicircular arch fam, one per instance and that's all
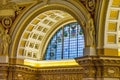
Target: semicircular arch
(74, 10)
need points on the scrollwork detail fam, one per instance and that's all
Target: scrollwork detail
(90, 5)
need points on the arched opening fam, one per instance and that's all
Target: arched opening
(68, 31)
(38, 26)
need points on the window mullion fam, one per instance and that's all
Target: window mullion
(62, 42)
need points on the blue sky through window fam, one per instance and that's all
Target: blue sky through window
(66, 43)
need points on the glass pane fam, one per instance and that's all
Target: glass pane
(67, 42)
(59, 44)
(73, 41)
(80, 41)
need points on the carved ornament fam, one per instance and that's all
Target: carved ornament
(7, 22)
(90, 5)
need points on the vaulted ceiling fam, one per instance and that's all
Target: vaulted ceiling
(37, 29)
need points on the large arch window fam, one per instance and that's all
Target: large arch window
(67, 43)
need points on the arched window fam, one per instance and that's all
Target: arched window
(67, 43)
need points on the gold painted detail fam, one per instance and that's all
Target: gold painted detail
(50, 63)
(112, 25)
(114, 14)
(111, 52)
(115, 3)
(111, 38)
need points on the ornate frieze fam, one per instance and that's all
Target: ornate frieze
(19, 72)
(95, 67)
(90, 67)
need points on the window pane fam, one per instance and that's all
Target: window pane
(67, 42)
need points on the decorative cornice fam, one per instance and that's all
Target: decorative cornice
(90, 67)
(27, 72)
(100, 66)
(104, 60)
